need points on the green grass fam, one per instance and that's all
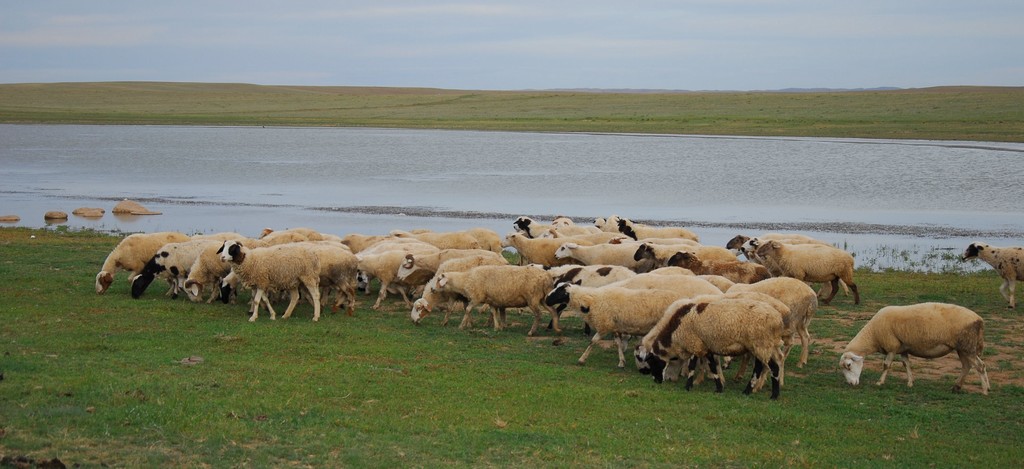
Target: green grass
(943, 113)
(97, 380)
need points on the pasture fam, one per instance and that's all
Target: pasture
(107, 380)
(941, 113)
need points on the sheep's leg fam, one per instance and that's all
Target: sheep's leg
(466, 320)
(256, 305)
(966, 362)
(905, 358)
(1007, 289)
(554, 318)
(691, 367)
(885, 367)
(776, 370)
(293, 299)
(835, 288)
(620, 344)
(381, 295)
(856, 293)
(496, 315)
(743, 367)
(715, 374)
(754, 378)
(805, 344)
(586, 353)
(314, 294)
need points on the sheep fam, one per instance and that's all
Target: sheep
(650, 256)
(601, 254)
(222, 236)
(418, 269)
(275, 268)
(207, 270)
(358, 242)
(736, 271)
(587, 276)
(812, 263)
(530, 228)
(338, 271)
(500, 287)
(489, 240)
(132, 254)
(308, 233)
(639, 231)
(384, 266)
(1008, 261)
(176, 260)
(704, 327)
(432, 297)
(801, 300)
(927, 330)
(717, 280)
(589, 239)
(536, 251)
(738, 244)
(685, 285)
(446, 240)
(610, 224)
(613, 310)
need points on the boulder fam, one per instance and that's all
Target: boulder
(9, 219)
(89, 212)
(55, 215)
(131, 207)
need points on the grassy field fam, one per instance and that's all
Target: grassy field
(947, 113)
(99, 380)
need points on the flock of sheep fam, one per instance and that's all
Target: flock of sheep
(691, 304)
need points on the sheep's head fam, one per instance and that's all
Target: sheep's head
(973, 250)
(736, 243)
(851, 365)
(560, 295)
(194, 289)
(565, 250)
(684, 259)
(231, 251)
(644, 251)
(626, 228)
(103, 281)
(420, 309)
(767, 249)
(648, 363)
(522, 225)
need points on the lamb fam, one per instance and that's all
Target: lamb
(1008, 261)
(639, 231)
(601, 254)
(501, 287)
(276, 268)
(613, 310)
(801, 300)
(736, 271)
(132, 254)
(812, 263)
(176, 260)
(433, 297)
(927, 330)
(536, 251)
(697, 328)
(446, 240)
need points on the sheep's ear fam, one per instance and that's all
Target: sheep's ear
(193, 287)
(578, 282)
(856, 358)
(442, 281)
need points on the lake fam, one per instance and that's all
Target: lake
(894, 203)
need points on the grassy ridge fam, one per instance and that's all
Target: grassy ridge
(94, 380)
(947, 113)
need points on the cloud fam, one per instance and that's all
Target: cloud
(82, 31)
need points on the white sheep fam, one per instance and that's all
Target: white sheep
(801, 300)
(734, 270)
(588, 239)
(536, 251)
(587, 276)
(600, 254)
(444, 240)
(614, 310)
(207, 271)
(489, 239)
(927, 330)
(417, 269)
(174, 260)
(1008, 262)
(433, 297)
(501, 287)
(339, 269)
(610, 224)
(308, 233)
(746, 245)
(640, 231)
(132, 254)
(697, 328)
(285, 267)
(684, 285)
(812, 263)
(384, 267)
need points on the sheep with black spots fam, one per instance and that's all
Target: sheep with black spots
(651, 256)
(132, 254)
(619, 311)
(640, 231)
(587, 276)
(501, 287)
(174, 260)
(1008, 262)
(286, 267)
(691, 329)
(736, 271)
(529, 227)
(926, 330)
(432, 297)
(600, 254)
(812, 263)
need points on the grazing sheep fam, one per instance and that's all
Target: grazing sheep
(285, 267)
(536, 251)
(736, 271)
(175, 260)
(1008, 261)
(697, 328)
(587, 276)
(812, 263)
(501, 287)
(927, 330)
(433, 297)
(601, 254)
(802, 303)
(132, 254)
(639, 231)
(613, 310)
(717, 280)
(208, 270)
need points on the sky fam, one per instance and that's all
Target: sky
(519, 44)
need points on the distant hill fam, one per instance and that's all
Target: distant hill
(663, 91)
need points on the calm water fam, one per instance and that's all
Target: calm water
(866, 195)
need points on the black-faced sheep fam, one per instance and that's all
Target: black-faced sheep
(285, 267)
(530, 228)
(812, 263)
(927, 330)
(614, 310)
(132, 254)
(698, 328)
(174, 260)
(1008, 261)
(501, 287)
(736, 271)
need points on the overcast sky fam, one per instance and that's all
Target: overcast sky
(519, 44)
